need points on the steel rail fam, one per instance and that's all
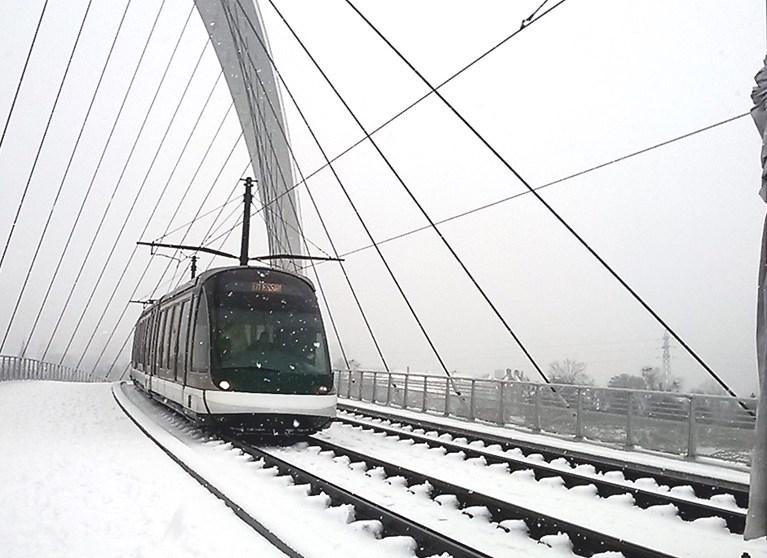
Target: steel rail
(586, 542)
(703, 487)
(689, 510)
(430, 542)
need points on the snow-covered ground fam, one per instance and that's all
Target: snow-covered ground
(308, 524)
(734, 473)
(80, 480)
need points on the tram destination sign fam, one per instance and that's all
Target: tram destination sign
(269, 288)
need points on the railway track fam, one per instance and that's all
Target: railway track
(247, 518)
(394, 494)
(428, 542)
(704, 488)
(688, 509)
(585, 542)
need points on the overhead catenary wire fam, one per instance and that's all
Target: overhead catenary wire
(383, 259)
(214, 182)
(550, 209)
(315, 206)
(196, 219)
(426, 95)
(43, 138)
(227, 233)
(529, 18)
(214, 233)
(417, 203)
(266, 185)
(215, 219)
(548, 184)
(83, 203)
(127, 338)
(52, 210)
(114, 192)
(302, 235)
(170, 222)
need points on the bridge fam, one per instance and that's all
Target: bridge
(549, 288)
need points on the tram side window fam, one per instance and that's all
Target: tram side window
(160, 359)
(137, 346)
(183, 336)
(141, 356)
(148, 343)
(142, 344)
(201, 341)
(170, 339)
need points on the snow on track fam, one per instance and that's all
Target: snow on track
(615, 477)
(657, 527)
(441, 515)
(306, 523)
(80, 480)
(706, 468)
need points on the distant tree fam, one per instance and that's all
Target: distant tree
(655, 381)
(569, 371)
(628, 381)
(652, 378)
(515, 375)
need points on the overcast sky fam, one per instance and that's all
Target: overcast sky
(590, 82)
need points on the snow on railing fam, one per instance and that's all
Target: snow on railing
(677, 423)
(19, 368)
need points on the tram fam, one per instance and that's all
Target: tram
(238, 347)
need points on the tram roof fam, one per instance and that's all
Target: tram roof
(205, 275)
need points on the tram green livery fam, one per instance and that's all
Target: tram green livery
(243, 347)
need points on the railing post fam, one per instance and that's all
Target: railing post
(472, 402)
(349, 386)
(447, 396)
(375, 383)
(630, 421)
(425, 385)
(388, 389)
(579, 414)
(692, 429)
(500, 417)
(362, 381)
(537, 423)
(404, 393)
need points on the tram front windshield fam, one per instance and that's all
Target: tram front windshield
(268, 321)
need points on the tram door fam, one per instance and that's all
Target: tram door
(153, 348)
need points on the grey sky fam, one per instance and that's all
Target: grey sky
(590, 82)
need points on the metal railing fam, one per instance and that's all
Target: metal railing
(18, 368)
(676, 423)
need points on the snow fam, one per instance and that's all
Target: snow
(685, 492)
(731, 473)
(80, 480)
(658, 527)
(470, 525)
(304, 522)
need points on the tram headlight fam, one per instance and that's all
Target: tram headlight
(223, 384)
(324, 390)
